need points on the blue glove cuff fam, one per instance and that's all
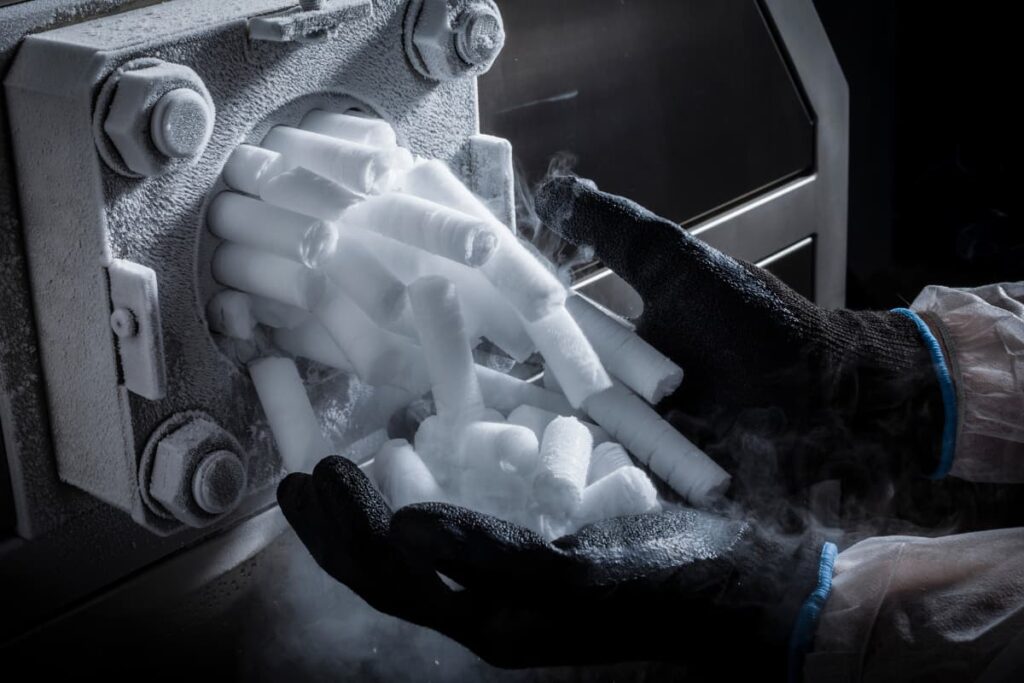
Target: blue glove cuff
(802, 637)
(945, 387)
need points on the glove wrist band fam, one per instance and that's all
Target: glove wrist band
(802, 637)
(946, 388)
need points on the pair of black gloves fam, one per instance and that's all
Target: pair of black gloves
(781, 392)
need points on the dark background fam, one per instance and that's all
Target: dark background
(935, 144)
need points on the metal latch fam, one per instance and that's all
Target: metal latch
(135, 319)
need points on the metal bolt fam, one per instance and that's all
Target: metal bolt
(196, 472)
(181, 123)
(441, 49)
(219, 482)
(481, 35)
(151, 117)
(124, 324)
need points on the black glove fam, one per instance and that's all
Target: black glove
(831, 394)
(692, 587)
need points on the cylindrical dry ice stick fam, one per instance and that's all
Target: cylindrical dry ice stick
(359, 168)
(486, 311)
(564, 460)
(254, 223)
(506, 393)
(605, 459)
(296, 430)
(378, 356)
(362, 129)
(655, 443)
(360, 275)
(514, 269)
(276, 314)
(364, 449)
(433, 180)
(312, 340)
(229, 312)
(402, 477)
(428, 226)
(491, 444)
(624, 354)
(625, 491)
(257, 272)
(249, 167)
(267, 175)
(569, 355)
(537, 420)
(449, 359)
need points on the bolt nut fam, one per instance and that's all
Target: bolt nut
(152, 116)
(197, 474)
(219, 482)
(124, 324)
(447, 39)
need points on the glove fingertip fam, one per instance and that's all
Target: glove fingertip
(290, 490)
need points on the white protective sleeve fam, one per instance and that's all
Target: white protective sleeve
(983, 331)
(925, 609)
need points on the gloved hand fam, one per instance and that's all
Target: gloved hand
(828, 394)
(686, 586)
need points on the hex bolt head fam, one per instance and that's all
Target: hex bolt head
(219, 482)
(448, 39)
(197, 473)
(480, 36)
(181, 123)
(124, 324)
(151, 117)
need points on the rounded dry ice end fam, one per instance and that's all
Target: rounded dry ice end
(296, 430)
(625, 491)
(427, 226)
(257, 272)
(449, 359)
(254, 223)
(537, 419)
(624, 354)
(655, 443)
(434, 181)
(358, 168)
(402, 477)
(230, 313)
(357, 272)
(249, 167)
(364, 130)
(605, 459)
(495, 445)
(564, 461)
(568, 354)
